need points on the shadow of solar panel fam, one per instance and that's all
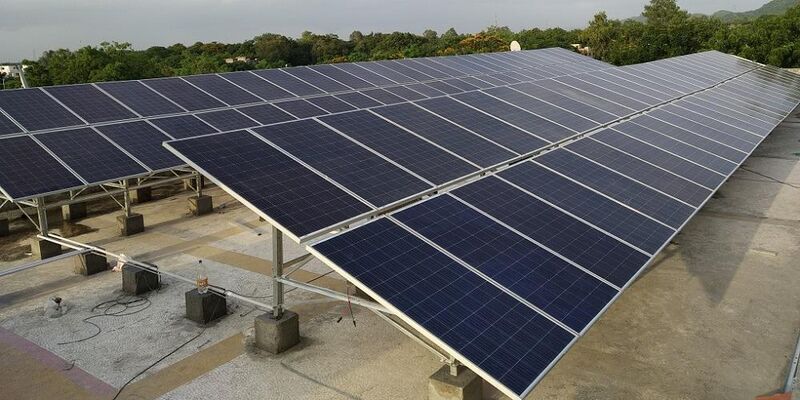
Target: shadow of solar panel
(222, 89)
(27, 169)
(300, 201)
(144, 142)
(140, 98)
(91, 104)
(91, 155)
(181, 92)
(35, 110)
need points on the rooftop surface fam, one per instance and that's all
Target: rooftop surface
(715, 317)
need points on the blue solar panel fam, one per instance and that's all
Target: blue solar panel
(620, 221)
(669, 82)
(26, 169)
(227, 120)
(531, 272)
(256, 85)
(484, 125)
(382, 96)
(749, 140)
(558, 115)
(330, 104)
(451, 137)
(630, 90)
(618, 76)
(341, 76)
(35, 110)
(624, 190)
(522, 119)
(405, 93)
(7, 126)
(300, 108)
(565, 102)
(503, 337)
(140, 98)
(358, 100)
(633, 104)
(428, 66)
(422, 67)
(584, 97)
(90, 155)
(405, 70)
(183, 126)
(419, 156)
(661, 158)
(89, 103)
(460, 84)
(595, 251)
(650, 89)
(476, 82)
(365, 74)
(697, 139)
(144, 142)
(641, 171)
(181, 92)
(424, 89)
(222, 89)
(382, 70)
(363, 172)
(726, 114)
(288, 82)
(266, 114)
(295, 197)
(443, 87)
(321, 81)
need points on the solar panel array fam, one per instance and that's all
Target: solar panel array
(128, 118)
(508, 267)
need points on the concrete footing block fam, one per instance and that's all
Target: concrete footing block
(201, 205)
(73, 212)
(130, 225)
(467, 385)
(41, 249)
(4, 228)
(90, 264)
(206, 307)
(277, 335)
(137, 281)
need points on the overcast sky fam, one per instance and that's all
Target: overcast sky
(29, 27)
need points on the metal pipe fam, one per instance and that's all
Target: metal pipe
(20, 268)
(442, 357)
(793, 368)
(41, 211)
(126, 196)
(277, 273)
(335, 295)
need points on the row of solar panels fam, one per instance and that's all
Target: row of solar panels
(361, 162)
(507, 272)
(66, 158)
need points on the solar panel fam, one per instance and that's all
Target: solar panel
(144, 142)
(330, 71)
(318, 80)
(424, 89)
(90, 155)
(386, 72)
(363, 172)
(35, 110)
(227, 120)
(27, 169)
(585, 97)
(298, 200)
(730, 130)
(253, 84)
(382, 96)
(330, 104)
(598, 91)
(405, 93)
(7, 126)
(183, 126)
(543, 109)
(365, 74)
(582, 109)
(288, 82)
(439, 67)
(89, 103)
(266, 114)
(182, 93)
(400, 146)
(729, 142)
(358, 100)
(422, 67)
(460, 84)
(629, 90)
(300, 108)
(405, 70)
(443, 87)
(223, 89)
(140, 98)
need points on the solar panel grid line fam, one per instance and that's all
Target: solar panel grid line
(107, 86)
(741, 107)
(591, 224)
(484, 276)
(669, 195)
(20, 128)
(708, 132)
(483, 63)
(356, 69)
(340, 75)
(443, 86)
(575, 105)
(98, 87)
(444, 69)
(609, 73)
(386, 72)
(311, 76)
(643, 75)
(587, 121)
(177, 90)
(159, 129)
(183, 78)
(220, 76)
(295, 108)
(461, 68)
(752, 102)
(666, 76)
(63, 105)
(619, 98)
(683, 71)
(729, 117)
(698, 140)
(405, 92)
(406, 70)
(474, 81)
(57, 158)
(282, 70)
(122, 149)
(460, 84)
(655, 95)
(724, 124)
(424, 68)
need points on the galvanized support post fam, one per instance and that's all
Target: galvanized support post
(199, 185)
(126, 196)
(453, 366)
(41, 211)
(277, 272)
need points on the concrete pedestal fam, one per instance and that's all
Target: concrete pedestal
(200, 205)
(4, 230)
(466, 386)
(90, 264)
(137, 281)
(41, 249)
(73, 212)
(206, 307)
(277, 336)
(130, 225)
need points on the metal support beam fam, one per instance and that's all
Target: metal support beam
(126, 197)
(277, 273)
(198, 185)
(41, 211)
(335, 295)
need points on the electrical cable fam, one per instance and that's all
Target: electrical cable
(770, 178)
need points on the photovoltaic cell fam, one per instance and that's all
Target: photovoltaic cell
(451, 137)
(227, 120)
(386, 72)
(531, 272)
(425, 89)
(688, 136)
(398, 67)
(484, 125)
(288, 82)
(584, 97)
(365, 74)
(266, 114)
(412, 152)
(443, 87)
(565, 102)
(503, 337)
(430, 66)
(358, 100)
(323, 82)
(633, 104)
(35, 110)
(732, 131)
(629, 90)
(254, 84)
(222, 89)
(295, 197)
(620, 221)
(382, 96)
(300, 108)
(144, 142)
(618, 187)
(183, 126)
(26, 169)
(599, 253)
(476, 82)
(91, 104)
(140, 98)
(405, 93)
(340, 76)
(545, 110)
(8, 127)
(90, 155)
(330, 104)
(354, 167)
(179, 91)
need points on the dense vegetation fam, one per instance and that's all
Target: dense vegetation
(774, 7)
(664, 30)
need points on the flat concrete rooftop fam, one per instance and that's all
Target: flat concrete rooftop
(716, 317)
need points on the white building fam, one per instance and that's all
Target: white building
(11, 70)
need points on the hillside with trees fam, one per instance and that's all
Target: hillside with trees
(665, 30)
(774, 7)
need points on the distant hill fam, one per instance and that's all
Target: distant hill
(774, 7)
